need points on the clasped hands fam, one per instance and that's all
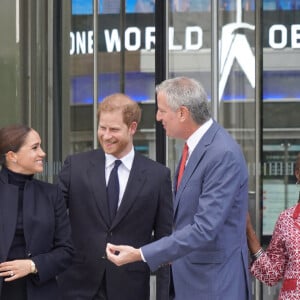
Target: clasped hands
(121, 255)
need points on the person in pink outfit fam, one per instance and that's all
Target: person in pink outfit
(281, 260)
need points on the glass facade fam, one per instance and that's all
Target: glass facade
(58, 59)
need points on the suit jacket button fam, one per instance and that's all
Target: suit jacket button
(29, 254)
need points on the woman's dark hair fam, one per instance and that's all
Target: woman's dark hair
(12, 138)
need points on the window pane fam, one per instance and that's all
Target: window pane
(125, 64)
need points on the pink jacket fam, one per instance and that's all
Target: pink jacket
(281, 260)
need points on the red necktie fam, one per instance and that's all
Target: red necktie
(182, 163)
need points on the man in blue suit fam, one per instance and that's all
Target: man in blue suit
(207, 249)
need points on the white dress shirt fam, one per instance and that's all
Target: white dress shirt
(194, 139)
(123, 170)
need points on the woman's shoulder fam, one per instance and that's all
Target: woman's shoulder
(289, 212)
(45, 185)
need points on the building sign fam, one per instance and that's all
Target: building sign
(192, 32)
(234, 46)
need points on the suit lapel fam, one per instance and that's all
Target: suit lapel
(96, 174)
(194, 160)
(135, 182)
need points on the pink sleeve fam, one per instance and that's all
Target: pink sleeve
(270, 266)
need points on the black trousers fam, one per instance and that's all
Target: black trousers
(14, 290)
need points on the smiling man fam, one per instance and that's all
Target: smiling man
(142, 209)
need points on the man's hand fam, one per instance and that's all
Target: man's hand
(121, 255)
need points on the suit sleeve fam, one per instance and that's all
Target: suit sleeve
(64, 179)
(220, 186)
(271, 265)
(163, 227)
(55, 261)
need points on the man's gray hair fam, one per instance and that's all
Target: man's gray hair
(184, 91)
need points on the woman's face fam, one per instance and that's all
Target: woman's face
(29, 158)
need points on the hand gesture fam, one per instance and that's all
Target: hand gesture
(121, 255)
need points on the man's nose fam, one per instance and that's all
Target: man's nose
(107, 134)
(158, 116)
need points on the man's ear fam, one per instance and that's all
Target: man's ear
(133, 127)
(183, 113)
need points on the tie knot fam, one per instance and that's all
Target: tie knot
(117, 163)
(185, 147)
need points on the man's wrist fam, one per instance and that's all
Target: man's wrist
(142, 255)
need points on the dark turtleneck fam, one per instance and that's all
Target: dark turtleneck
(17, 249)
(17, 289)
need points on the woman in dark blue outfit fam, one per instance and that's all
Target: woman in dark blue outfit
(35, 242)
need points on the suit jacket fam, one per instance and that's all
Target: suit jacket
(46, 230)
(208, 247)
(146, 208)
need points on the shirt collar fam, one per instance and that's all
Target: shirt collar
(194, 139)
(127, 160)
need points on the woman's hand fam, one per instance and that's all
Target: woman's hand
(15, 269)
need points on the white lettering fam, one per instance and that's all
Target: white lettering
(90, 42)
(172, 46)
(72, 46)
(136, 40)
(295, 36)
(280, 29)
(197, 33)
(149, 37)
(81, 42)
(112, 42)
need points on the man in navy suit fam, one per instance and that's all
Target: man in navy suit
(207, 249)
(144, 209)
